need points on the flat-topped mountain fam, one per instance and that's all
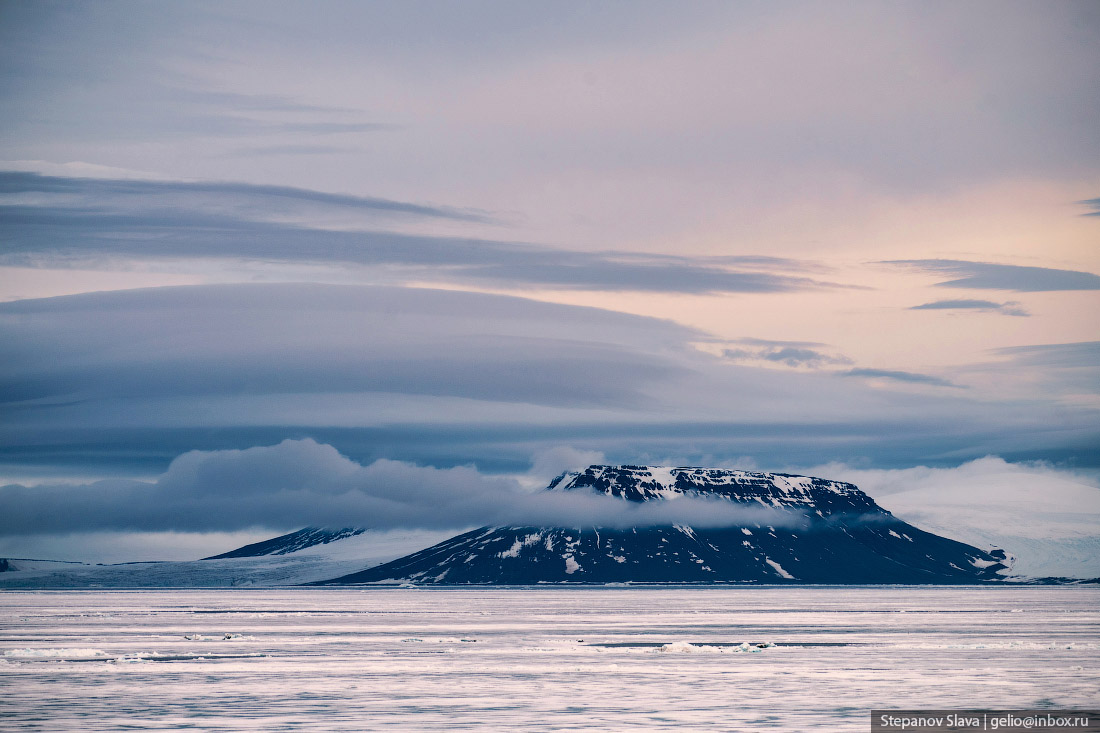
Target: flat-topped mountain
(780, 490)
(835, 534)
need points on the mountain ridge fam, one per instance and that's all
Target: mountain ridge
(843, 537)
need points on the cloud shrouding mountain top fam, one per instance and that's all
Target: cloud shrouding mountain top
(306, 483)
(79, 220)
(1046, 516)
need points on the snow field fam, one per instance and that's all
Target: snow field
(539, 658)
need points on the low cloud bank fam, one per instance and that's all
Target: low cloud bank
(1048, 517)
(302, 482)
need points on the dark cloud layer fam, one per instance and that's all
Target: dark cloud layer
(301, 339)
(306, 483)
(508, 447)
(81, 220)
(119, 383)
(106, 194)
(993, 276)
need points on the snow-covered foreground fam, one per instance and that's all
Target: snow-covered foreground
(538, 658)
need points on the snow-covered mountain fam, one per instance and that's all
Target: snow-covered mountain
(841, 536)
(293, 542)
(305, 556)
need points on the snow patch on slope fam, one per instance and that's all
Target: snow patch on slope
(779, 569)
(665, 479)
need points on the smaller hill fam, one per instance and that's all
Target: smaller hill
(293, 542)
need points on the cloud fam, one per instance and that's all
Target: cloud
(112, 59)
(898, 376)
(114, 195)
(52, 221)
(1071, 370)
(792, 354)
(549, 463)
(787, 355)
(303, 482)
(588, 272)
(771, 342)
(992, 276)
(1093, 204)
(314, 339)
(1079, 354)
(1011, 308)
(748, 262)
(591, 87)
(118, 383)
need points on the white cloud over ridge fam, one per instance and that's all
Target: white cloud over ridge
(302, 482)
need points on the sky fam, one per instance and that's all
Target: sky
(477, 243)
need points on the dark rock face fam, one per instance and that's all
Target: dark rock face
(843, 536)
(292, 542)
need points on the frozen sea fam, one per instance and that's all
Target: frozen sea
(538, 659)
